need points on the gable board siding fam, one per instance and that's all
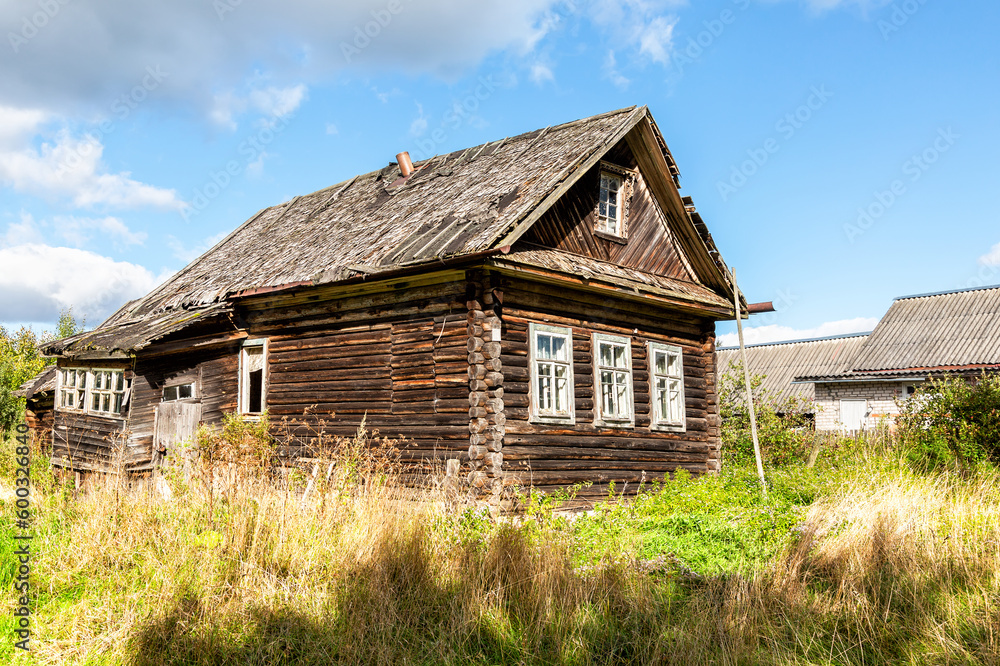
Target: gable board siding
(569, 226)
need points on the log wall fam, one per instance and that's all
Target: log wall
(398, 360)
(39, 415)
(548, 456)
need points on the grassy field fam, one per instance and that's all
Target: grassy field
(856, 560)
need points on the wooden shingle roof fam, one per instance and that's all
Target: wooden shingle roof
(463, 204)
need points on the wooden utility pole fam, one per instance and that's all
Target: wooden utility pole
(746, 379)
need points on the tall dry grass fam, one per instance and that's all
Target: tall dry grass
(244, 567)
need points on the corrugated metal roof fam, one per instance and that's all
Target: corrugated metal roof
(782, 362)
(953, 329)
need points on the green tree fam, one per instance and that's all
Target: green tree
(20, 360)
(783, 428)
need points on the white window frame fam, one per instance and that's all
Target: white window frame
(178, 387)
(658, 420)
(536, 413)
(604, 220)
(600, 416)
(244, 377)
(84, 397)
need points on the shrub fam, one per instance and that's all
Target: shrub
(953, 422)
(783, 427)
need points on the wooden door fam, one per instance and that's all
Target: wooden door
(175, 422)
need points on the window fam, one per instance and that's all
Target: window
(666, 378)
(73, 388)
(93, 390)
(551, 370)
(252, 376)
(613, 197)
(179, 392)
(613, 373)
(609, 206)
(909, 390)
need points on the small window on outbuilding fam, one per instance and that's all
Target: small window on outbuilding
(253, 389)
(178, 392)
(613, 379)
(666, 378)
(551, 374)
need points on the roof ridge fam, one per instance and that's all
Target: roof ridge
(948, 291)
(792, 342)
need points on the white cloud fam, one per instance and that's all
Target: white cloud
(776, 333)
(656, 38)
(332, 129)
(991, 258)
(419, 124)
(79, 231)
(67, 166)
(73, 230)
(611, 72)
(541, 72)
(255, 169)
(642, 28)
(271, 102)
(38, 281)
(89, 53)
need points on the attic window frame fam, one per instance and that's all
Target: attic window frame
(627, 178)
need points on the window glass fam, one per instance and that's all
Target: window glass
(667, 380)
(552, 372)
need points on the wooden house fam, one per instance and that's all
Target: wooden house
(541, 308)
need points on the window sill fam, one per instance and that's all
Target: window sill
(614, 238)
(621, 425)
(552, 420)
(667, 427)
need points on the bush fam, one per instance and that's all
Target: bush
(783, 427)
(953, 422)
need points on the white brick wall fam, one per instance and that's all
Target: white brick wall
(881, 397)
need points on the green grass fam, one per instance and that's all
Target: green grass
(857, 560)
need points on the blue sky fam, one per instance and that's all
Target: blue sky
(842, 152)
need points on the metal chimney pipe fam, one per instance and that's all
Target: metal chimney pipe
(405, 165)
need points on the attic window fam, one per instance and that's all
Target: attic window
(614, 195)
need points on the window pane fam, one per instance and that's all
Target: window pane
(559, 348)
(543, 345)
(120, 383)
(118, 403)
(621, 361)
(562, 396)
(675, 365)
(185, 390)
(170, 393)
(605, 354)
(95, 401)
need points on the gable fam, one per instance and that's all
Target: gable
(570, 225)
